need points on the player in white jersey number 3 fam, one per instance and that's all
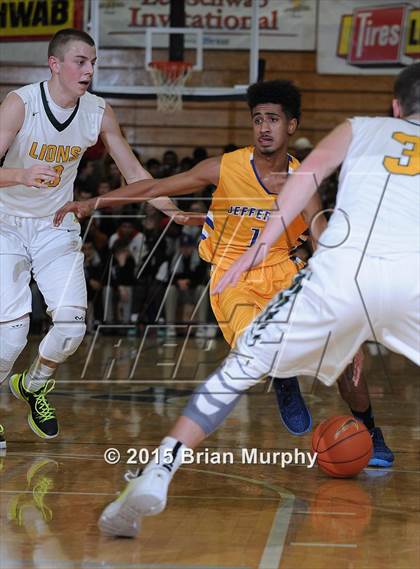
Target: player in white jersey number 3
(45, 128)
(361, 284)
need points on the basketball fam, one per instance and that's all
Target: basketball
(344, 446)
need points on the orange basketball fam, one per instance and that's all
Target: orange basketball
(344, 446)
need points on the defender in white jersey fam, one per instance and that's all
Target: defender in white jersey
(45, 128)
(361, 284)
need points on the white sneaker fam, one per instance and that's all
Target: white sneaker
(143, 496)
(117, 521)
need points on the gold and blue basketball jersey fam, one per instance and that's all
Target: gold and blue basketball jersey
(55, 137)
(240, 208)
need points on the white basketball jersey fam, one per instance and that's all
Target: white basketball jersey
(56, 137)
(378, 201)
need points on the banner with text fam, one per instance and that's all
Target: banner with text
(374, 37)
(26, 26)
(287, 25)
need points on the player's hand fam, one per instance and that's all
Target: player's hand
(80, 210)
(245, 262)
(38, 176)
(189, 218)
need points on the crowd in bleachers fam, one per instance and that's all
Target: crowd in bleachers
(140, 267)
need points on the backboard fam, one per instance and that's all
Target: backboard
(127, 40)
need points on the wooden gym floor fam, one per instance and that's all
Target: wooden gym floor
(242, 516)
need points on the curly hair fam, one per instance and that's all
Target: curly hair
(279, 92)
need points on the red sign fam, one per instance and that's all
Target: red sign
(377, 35)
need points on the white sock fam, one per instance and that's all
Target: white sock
(37, 376)
(169, 456)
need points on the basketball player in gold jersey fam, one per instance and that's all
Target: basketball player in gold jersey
(247, 182)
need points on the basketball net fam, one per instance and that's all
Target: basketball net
(170, 77)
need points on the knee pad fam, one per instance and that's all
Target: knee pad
(12, 341)
(212, 401)
(66, 334)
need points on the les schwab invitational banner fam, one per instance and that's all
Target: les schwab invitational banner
(27, 25)
(368, 37)
(284, 24)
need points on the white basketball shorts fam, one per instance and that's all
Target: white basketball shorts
(341, 300)
(51, 253)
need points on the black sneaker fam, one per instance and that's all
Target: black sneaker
(41, 417)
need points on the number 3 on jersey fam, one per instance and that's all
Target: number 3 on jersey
(54, 183)
(409, 161)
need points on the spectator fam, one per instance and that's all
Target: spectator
(104, 187)
(197, 206)
(169, 163)
(301, 148)
(132, 238)
(99, 239)
(96, 152)
(153, 166)
(199, 154)
(150, 211)
(93, 273)
(112, 174)
(106, 218)
(85, 194)
(118, 299)
(186, 164)
(189, 276)
(151, 278)
(86, 177)
(328, 192)
(172, 237)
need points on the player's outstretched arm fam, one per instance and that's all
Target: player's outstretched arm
(194, 180)
(12, 115)
(205, 173)
(141, 187)
(293, 198)
(131, 168)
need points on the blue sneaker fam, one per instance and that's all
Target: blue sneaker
(293, 410)
(382, 455)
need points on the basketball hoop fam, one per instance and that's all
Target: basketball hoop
(170, 77)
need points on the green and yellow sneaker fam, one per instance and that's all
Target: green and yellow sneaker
(2, 438)
(41, 417)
